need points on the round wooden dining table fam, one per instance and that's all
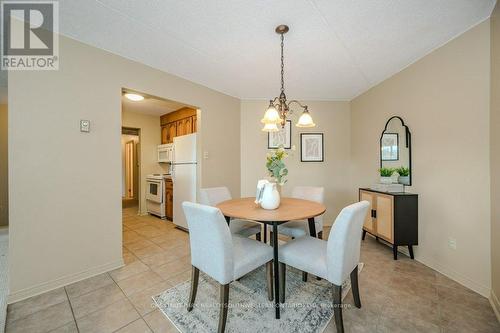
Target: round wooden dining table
(290, 209)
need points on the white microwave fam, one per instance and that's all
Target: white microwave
(166, 153)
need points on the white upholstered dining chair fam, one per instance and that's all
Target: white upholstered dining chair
(333, 260)
(222, 255)
(214, 195)
(297, 229)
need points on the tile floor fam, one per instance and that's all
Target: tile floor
(397, 296)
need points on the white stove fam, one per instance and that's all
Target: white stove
(155, 194)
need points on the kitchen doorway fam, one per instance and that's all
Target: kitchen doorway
(130, 142)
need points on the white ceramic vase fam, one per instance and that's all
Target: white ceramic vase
(270, 197)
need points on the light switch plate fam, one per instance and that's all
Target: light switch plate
(85, 126)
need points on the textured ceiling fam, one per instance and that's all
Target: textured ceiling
(336, 49)
(151, 105)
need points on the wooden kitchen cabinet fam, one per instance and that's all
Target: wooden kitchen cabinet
(392, 217)
(177, 123)
(171, 132)
(168, 132)
(184, 126)
(188, 125)
(169, 199)
(164, 135)
(193, 120)
(181, 130)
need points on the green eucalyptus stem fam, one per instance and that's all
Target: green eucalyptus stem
(275, 165)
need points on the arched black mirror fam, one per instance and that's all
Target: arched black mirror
(395, 149)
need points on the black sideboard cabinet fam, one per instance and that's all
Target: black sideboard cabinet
(392, 217)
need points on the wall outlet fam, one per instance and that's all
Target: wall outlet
(452, 243)
(205, 155)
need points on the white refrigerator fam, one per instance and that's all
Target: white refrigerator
(183, 175)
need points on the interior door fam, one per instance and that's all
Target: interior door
(129, 169)
(369, 224)
(384, 217)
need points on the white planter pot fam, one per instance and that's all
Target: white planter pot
(386, 180)
(405, 180)
(270, 197)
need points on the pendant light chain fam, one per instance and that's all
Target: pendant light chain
(282, 64)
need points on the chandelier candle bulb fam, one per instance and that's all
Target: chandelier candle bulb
(279, 107)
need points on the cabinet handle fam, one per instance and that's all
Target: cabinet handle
(374, 213)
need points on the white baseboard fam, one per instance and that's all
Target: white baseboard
(495, 304)
(63, 281)
(458, 277)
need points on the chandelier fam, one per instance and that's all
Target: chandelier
(279, 108)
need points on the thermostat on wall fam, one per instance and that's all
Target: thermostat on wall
(85, 126)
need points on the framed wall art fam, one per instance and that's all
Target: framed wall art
(311, 147)
(282, 137)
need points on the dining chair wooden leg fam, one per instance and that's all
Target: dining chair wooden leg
(337, 308)
(269, 278)
(355, 287)
(271, 238)
(224, 298)
(258, 237)
(195, 276)
(265, 233)
(304, 276)
(282, 269)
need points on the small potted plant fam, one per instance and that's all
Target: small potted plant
(386, 175)
(404, 175)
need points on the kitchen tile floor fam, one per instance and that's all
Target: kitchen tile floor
(397, 296)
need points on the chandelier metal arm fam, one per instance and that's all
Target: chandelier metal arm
(297, 102)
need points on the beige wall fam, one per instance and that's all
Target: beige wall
(4, 192)
(444, 99)
(495, 157)
(332, 119)
(65, 209)
(150, 138)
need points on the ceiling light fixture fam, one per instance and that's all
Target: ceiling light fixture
(134, 97)
(279, 108)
